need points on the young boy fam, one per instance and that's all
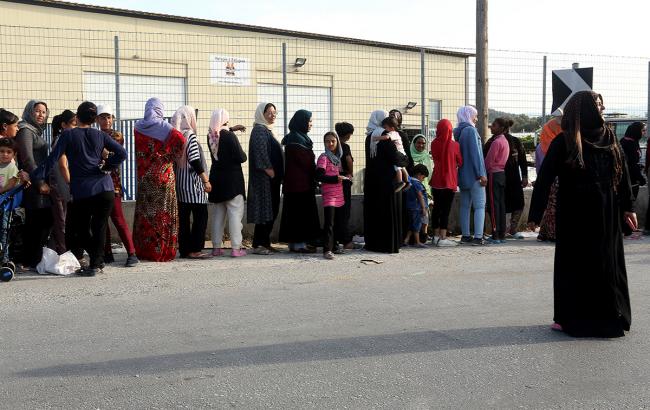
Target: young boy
(345, 131)
(416, 204)
(390, 133)
(8, 169)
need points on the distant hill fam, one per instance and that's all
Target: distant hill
(523, 123)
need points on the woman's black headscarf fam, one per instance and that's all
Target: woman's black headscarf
(635, 131)
(299, 127)
(583, 123)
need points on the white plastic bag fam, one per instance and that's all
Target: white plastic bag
(52, 263)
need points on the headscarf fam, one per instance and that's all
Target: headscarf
(550, 130)
(259, 117)
(582, 124)
(335, 158)
(184, 119)
(298, 129)
(375, 129)
(28, 120)
(153, 124)
(635, 131)
(217, 123)
(440, 145)
(421, 157)
(466, 114)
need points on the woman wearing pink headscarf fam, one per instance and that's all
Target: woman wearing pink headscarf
(192, 186)
(155, 223)
(228, 195)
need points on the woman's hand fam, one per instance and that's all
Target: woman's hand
(45, 189)
(207, 187)
(482, 180)
(237, 128)
(270, 172)
(630, 219)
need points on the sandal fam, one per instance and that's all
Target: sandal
(198, 255)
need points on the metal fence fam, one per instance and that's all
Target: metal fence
(336, 80)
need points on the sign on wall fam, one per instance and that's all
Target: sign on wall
(228, 70)
(568, 82)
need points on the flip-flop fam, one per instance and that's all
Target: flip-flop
(201, 255)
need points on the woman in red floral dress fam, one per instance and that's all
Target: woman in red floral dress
(155, 224)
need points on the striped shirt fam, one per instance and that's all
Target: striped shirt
(189, 187)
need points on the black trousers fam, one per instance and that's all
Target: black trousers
(191, 235)
(89, 219)
(333, 222)
(346, 209)
(262, 233)
(442, 200)
(497, 203)
(38, 224)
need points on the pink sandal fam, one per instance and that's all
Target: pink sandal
(557, 327)
(237, 253)
(217, 252)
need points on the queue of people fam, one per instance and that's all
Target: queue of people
(586, 180)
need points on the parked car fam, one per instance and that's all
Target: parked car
(619, 123)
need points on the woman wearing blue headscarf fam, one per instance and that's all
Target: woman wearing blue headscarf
(300, 224)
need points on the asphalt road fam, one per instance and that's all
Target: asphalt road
(436, 328)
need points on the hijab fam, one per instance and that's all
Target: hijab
(422, 157)
(334, 157)
(184, 119)
(635, 131)
(259, 117)
(582, 124)
(218, 121)
(440, 145)
(28, 120)
(466, 114)
(153, 124)
(298, 129)
(375, 129)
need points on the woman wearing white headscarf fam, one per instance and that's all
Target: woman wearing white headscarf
(472, 177)
(157, 147)
(382, 211)
(191, 187)
(227, 197)
(266, 171)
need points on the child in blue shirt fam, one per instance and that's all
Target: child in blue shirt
(416, 204)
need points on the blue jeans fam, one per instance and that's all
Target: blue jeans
(475, 198)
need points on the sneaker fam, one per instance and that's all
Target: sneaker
(478, 242)
(131, 261)
(420, 245)
(236, 253)
(443, 243)
(260, 250)
(466, 240)
(328, 255)
(217, 252)
(434, 241)
(109, 258)
(518, 235)
(493, 241)
(88, 271)
(339, 251)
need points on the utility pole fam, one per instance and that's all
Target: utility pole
(482, 67)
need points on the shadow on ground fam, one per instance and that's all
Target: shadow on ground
(314, 350)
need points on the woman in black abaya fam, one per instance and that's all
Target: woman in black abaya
(590, 280)
(382, 207)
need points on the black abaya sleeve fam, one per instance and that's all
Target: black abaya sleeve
(624, 189)
(521, 158)
(547, 174)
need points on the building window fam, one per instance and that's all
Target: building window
(435, 115)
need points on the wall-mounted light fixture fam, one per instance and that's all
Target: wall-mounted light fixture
(410, 105)
(300, 61)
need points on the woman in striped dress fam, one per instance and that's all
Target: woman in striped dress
(192, 186)
(155, 223)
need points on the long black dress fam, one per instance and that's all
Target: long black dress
(382, 207)
(590, 279)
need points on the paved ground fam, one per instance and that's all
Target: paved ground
(434, 328)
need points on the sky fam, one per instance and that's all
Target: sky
(570, 26)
